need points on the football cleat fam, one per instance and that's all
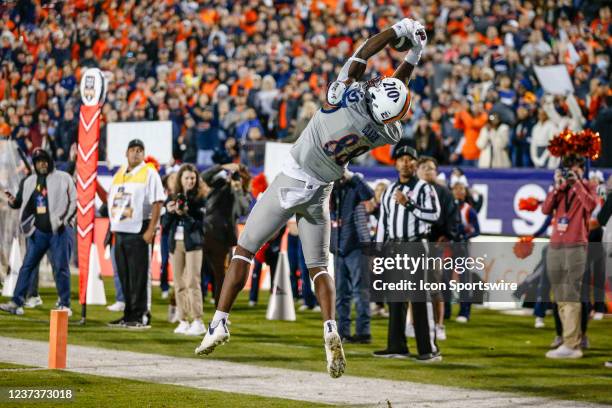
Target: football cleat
(216, 335)
(336, 362)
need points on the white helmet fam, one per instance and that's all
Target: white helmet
(388, 99)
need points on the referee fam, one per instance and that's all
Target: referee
(408, 208)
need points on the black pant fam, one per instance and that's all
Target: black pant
(132, 258)
(215, 253)
(422, 320)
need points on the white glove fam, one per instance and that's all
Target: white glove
(403, 28)
(418, 36)
(335, 92)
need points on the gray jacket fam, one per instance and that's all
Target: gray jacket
(61, 193)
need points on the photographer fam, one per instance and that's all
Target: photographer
(184, 223)
(227, 200)
(572, 199)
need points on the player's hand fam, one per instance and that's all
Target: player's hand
(418, 36)
(148, 236)
(403, 28)
(335, 92)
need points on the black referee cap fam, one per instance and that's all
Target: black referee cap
(405, 151)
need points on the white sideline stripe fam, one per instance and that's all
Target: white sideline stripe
(87, 125)
(210, 374)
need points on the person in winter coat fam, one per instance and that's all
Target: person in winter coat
(493, 144)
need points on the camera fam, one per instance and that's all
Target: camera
(565, 172)
(181, 202)
(235, 176)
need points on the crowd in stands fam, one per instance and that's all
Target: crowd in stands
(232, 74)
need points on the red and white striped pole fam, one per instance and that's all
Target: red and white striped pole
(93, 93)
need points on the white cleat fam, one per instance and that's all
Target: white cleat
(336, 363)
(215, 336)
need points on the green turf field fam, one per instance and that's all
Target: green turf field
(492, 352)
(96, 391)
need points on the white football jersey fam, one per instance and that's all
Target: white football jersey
(334, 136)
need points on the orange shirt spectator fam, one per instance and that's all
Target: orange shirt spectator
(208, 88)
(246, 84)
(471, 125)
(5, 129)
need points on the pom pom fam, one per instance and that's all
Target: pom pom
(585, 143)
(152, 162)
(524, 247)
(529, 204)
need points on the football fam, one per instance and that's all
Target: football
(402, 44)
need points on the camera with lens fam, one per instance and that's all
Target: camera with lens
(181, 202)
(565, 172)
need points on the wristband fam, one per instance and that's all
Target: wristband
(413, 56)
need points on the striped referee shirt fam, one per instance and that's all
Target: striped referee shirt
(397, 222)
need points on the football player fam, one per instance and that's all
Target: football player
(357, 117)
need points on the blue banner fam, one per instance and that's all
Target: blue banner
(501, 190)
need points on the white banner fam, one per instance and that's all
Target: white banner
(156, 136)
(555, 79)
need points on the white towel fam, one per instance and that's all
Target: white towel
(293, 196)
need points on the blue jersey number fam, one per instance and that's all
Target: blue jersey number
(345, 149)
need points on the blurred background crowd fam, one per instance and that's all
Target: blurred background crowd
(231, 75)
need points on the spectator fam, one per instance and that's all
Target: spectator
(135, 201)
(351, 230)
(521, 137)
(426, 141)
(250, 121)
(47, 204)
(209, 137)
(467, 228)
(535, 49)
(66, 135)
(493, 144)
(470, 120)
(184, 223)
(542, 133)
(264, 100)
(308, 110)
